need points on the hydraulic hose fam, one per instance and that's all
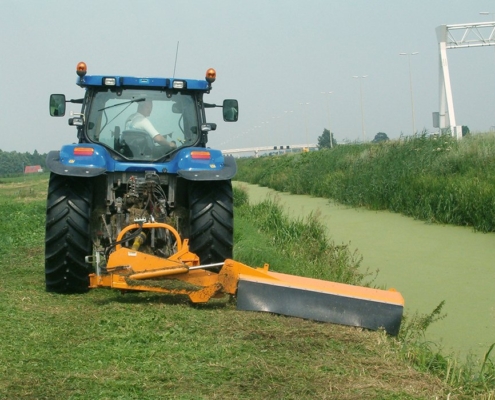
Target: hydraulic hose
(130, 237)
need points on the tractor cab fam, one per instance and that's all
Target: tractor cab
(143, 119)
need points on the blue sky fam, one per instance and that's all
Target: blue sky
(275, 57)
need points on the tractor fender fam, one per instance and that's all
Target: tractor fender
(200, 164)
(84, 159)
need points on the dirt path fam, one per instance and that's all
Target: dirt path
(426, 263)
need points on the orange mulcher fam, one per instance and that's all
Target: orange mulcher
(256, 289)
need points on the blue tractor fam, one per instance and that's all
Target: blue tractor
(140, 156)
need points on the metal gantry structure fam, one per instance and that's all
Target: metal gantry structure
(456, 37)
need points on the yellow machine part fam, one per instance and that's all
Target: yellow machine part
(257, 289)
(130, 269)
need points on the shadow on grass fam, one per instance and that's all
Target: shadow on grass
(168, 299)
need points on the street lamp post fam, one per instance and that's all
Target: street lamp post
(362, 109)
(487, 13)
(411, 87)
(305, 120)
(276, 124)
(493, 18)
(288, 133)
(328, 114)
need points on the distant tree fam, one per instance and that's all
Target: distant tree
(465, 130)
(14, 162)
(324, 140)
(380, 137)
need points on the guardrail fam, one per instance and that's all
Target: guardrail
(257, 150)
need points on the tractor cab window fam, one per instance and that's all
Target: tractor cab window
(143, 124)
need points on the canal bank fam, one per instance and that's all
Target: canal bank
(427, 263)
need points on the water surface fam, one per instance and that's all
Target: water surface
(427, 263)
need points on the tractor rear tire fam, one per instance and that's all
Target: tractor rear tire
(211, 221)
(68, 234)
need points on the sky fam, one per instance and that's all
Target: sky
(275, 57)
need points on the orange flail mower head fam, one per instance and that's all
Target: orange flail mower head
(256, 289)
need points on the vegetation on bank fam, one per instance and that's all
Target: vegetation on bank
(432, 178)
(144, 346)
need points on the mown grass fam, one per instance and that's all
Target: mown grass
(106, 345)
(436, 179)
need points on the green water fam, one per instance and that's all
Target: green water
(427, 263)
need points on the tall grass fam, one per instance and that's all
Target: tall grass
(437, 179)
(473, 377)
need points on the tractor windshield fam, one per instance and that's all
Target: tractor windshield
(142, 124)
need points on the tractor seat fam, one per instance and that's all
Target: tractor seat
(137, 144)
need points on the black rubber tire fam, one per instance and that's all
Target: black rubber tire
(211, 221)
(68, 234)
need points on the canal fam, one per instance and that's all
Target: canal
(427, 263)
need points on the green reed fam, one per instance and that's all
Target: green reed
(432, 178)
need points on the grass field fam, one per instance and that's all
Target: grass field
(105, 345)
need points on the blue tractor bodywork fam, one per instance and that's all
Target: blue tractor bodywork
(131, 81)
(140, 155)
(98, 161)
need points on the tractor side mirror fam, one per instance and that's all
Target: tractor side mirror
(57, 105)
(230, 110)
